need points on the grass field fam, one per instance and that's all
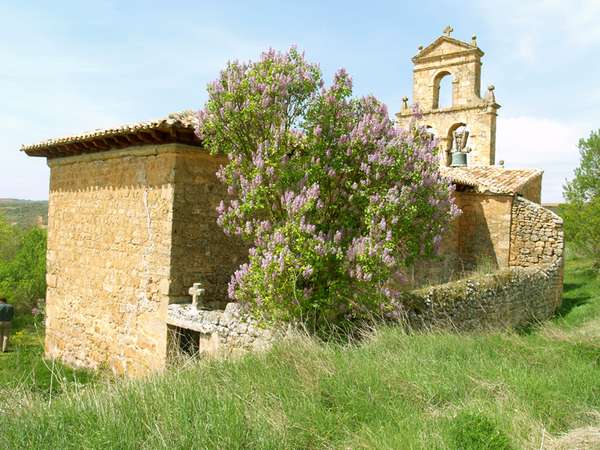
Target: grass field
(25, 376)
(503, 390)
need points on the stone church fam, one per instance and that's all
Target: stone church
(132, 223)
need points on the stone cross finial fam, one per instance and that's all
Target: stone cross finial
(196, 291)
(448, 30)
(404, 103)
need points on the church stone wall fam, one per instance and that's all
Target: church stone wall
(109, 238)
(129, 232)
(484, 225)
(441, 268)
(500, 231)
(478, 238)
(201, 251)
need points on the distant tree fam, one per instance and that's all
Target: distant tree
(9, 240)
(334, 200)
(23, 277)
(581, 213)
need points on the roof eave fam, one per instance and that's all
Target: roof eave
(176, 128)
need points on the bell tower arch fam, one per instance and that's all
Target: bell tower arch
(449, 58)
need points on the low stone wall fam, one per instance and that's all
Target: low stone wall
(511, 297)
(529, 290)
(537, 238)
(221, 332)
(536, 234)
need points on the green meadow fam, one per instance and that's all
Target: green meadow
(538, 388)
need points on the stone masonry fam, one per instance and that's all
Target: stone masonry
(529, 288)
(222, 332)
(129, 231)
(200, 251)
(461, 61)
(536, 235)
(108, 262)
(537, 240)
(510, 297)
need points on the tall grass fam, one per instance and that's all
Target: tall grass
(23, 366)
(391, 390)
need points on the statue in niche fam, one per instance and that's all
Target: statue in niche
(461, 136)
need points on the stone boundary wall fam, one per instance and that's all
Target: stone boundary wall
(222, 332)
(536, 234)
(529, 290)
(510, 297)
(537, 238)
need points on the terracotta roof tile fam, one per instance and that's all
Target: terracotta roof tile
(176, 127)
(492, 179)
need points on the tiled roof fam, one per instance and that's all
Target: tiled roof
(492, 179)
(176, 127)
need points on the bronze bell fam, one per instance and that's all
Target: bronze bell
(459, 159)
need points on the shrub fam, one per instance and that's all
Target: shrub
(23, 277)
(581, 213)
(9, 239)
(334, 200)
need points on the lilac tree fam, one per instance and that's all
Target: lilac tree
(334, 201)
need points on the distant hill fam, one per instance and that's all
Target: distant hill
(24, 213)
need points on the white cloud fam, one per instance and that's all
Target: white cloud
(537, 28)
(541, 143)
(547, 48)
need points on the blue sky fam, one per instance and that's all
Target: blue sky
(74, 66)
